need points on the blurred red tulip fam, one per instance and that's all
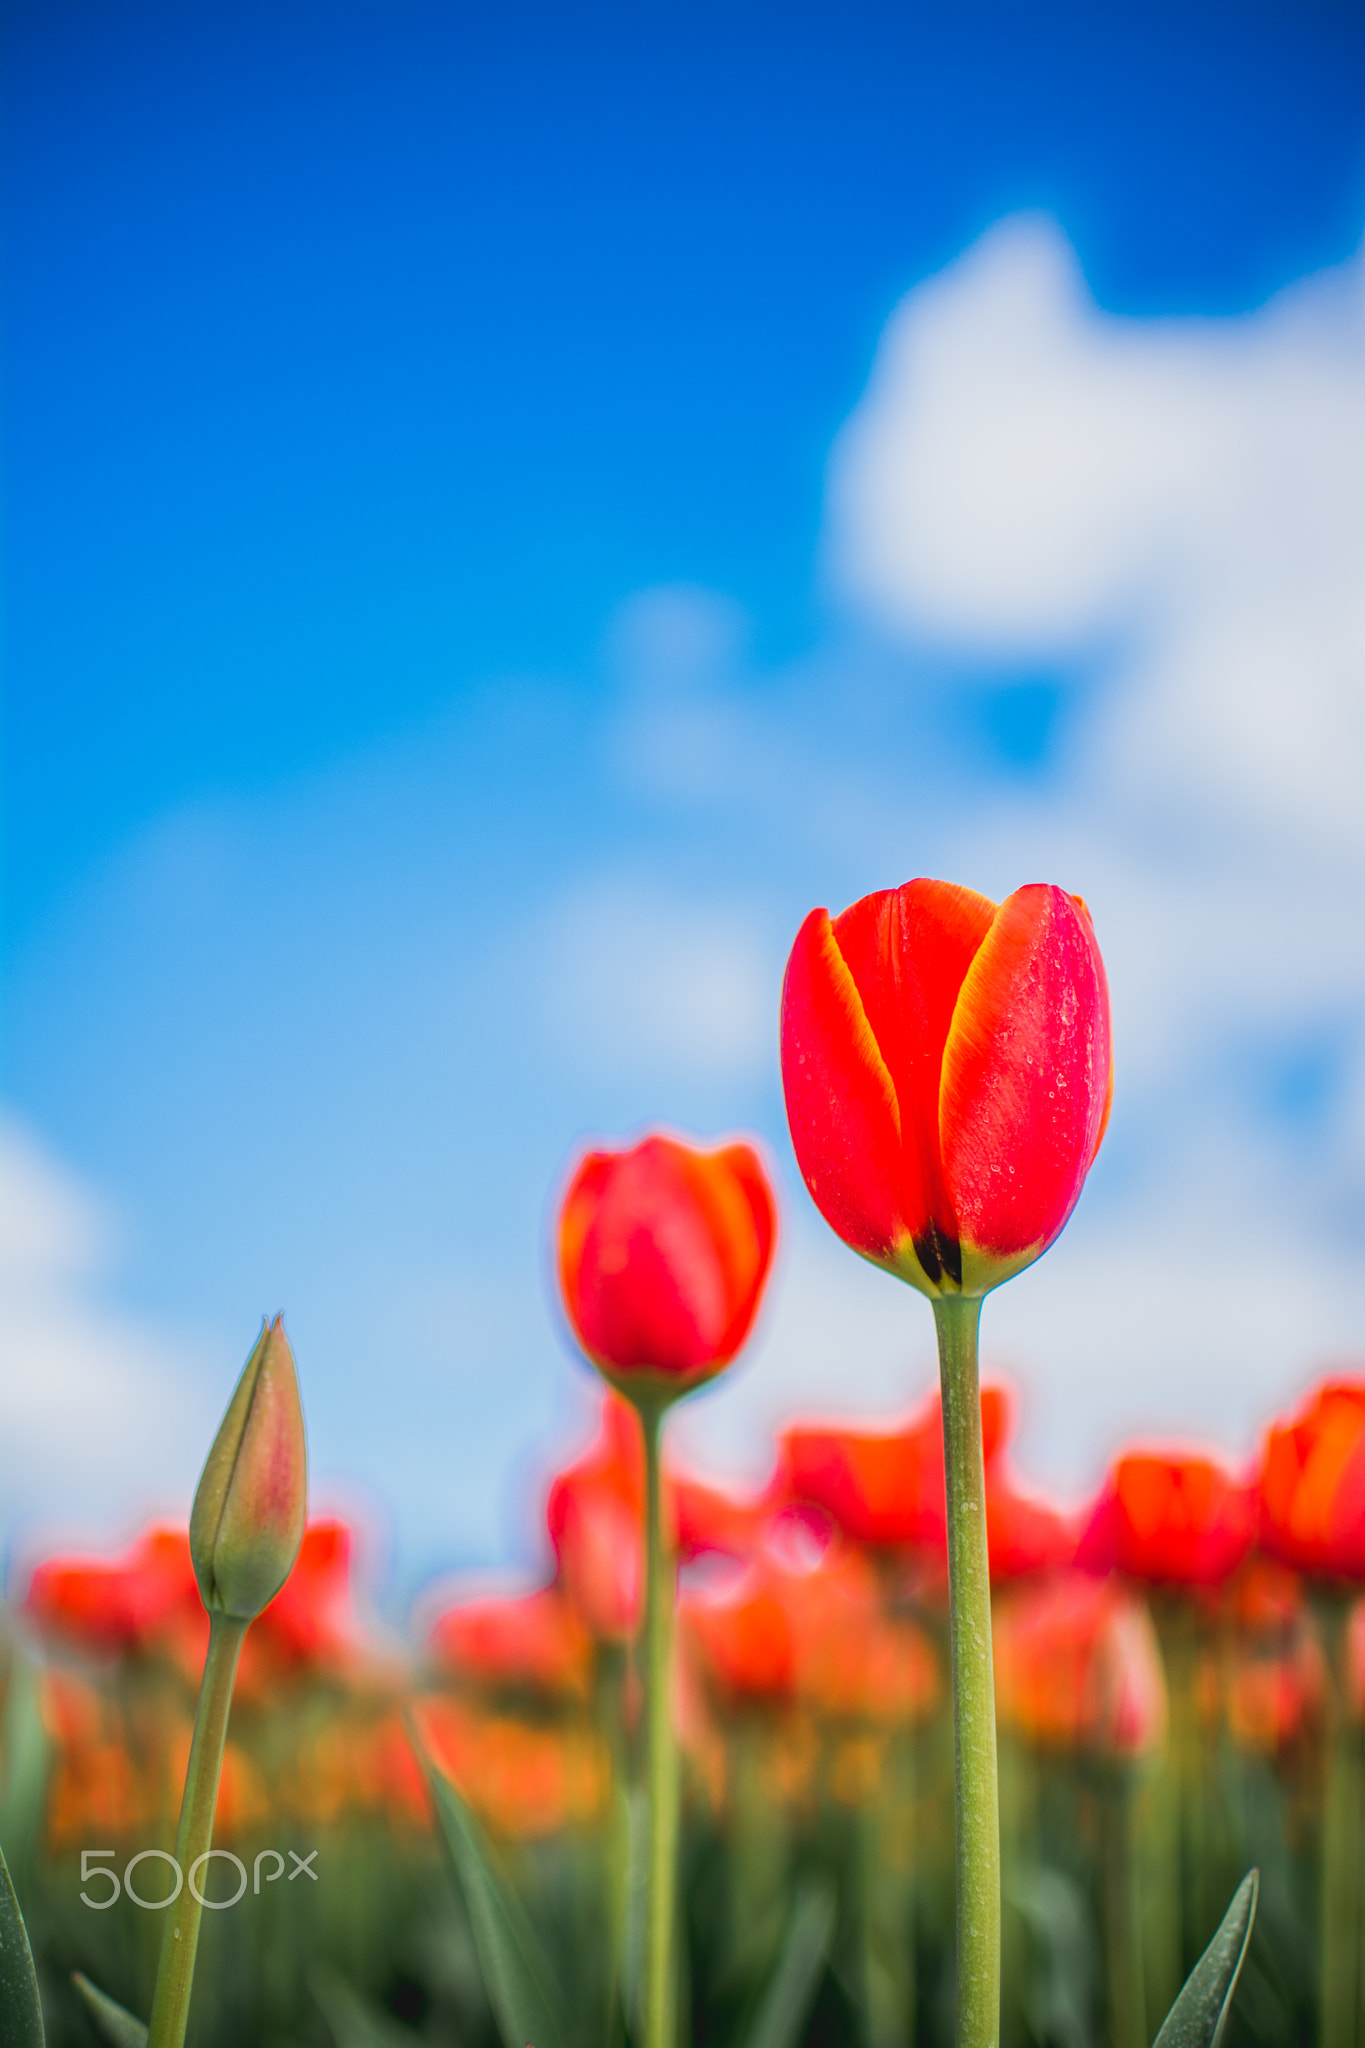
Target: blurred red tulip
(947, 1068)
(820, 1635)
(1172, 1518)
(537, 1642)
(145, 1603)
(882, 1486)
(1077, 1666)
(708, 1522)
(1024, 1533)
(663, 1255)
(887, 1487)
(1312, 1484)
(594, 1517)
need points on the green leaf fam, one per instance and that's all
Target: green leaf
(21, 2012)
(353, 2020)
(787, 1995)
(113, 2022)
(1199, 2015)
(526, 2001)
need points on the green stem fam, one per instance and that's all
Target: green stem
(956, 1318)
(180, 1936)
(662, 1747)
(1339, 1910)
(1122, 1922)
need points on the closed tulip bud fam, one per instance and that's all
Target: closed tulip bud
(247, 1522)
(947, 1070)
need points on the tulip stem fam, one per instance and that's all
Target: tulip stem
(956, 1318)
(1339, 1911)
(662, 1745)
(180, 1936)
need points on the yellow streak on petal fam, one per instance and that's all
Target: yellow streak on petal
(845, 990)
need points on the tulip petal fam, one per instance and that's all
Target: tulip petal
(867, 1008)
(1026, 1071)
(739, 1200)
(841, 1101)
(663, 1253)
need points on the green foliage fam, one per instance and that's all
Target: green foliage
(790, 1991)
(1200, 2013)
(354, 2022)
(21, 2012)
(526, 2000)
(114, 2024)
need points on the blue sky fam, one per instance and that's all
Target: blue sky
(505, 509)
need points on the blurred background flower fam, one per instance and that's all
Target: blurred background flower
(504, 513)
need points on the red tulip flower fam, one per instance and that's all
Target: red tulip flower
(663, 1255)
(947, 1068)
(1313, 1484)
(883, 1487)
(886, 1488)
(1171, 1519)
(664, 1251)
(594, 1517)
(144, 1604)
(535, 1643)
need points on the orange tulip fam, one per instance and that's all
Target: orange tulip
(1077, 1666)
(947, 1069)
(819, 1634)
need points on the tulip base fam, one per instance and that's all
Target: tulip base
(957, 1319)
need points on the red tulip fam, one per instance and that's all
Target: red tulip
(1024, 1534)
(593, 1514)
(1170, 1518)
(536, 1644)
(663, 1255)
(1312, 1487)
(819, 1634)
(145, 1603)
(947, 1068)
(707, 1522)
(882, 1486)
(886, 1488)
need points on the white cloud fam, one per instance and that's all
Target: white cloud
(1030, 479)
(637, 980)
(100, 1420)
(1177, 510)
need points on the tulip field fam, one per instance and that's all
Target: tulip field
(893, 1751)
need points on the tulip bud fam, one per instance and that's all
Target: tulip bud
(247, 1521)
